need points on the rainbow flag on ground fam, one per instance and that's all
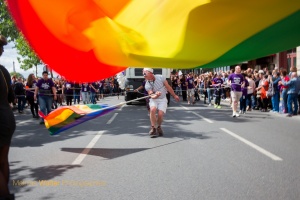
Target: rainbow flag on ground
(66, 117)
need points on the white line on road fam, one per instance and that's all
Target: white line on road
(112, 118)
(254, 146)
(208, 120)
(24, 122)
(87, 149)
(205, 119)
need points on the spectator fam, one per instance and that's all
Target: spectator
(7, 125)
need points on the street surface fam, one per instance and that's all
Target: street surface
(204, 154)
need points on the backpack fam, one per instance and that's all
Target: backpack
(19, 89)
(270, 91)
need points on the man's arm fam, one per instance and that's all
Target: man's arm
(169, 88)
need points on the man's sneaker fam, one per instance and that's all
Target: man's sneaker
(152, 132)
(160, 131)
(219, 106)
(233, 114)
(237, 114)
(216, 106)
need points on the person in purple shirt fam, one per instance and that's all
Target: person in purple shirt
(236, 81)
(30, 88)
(45, 88)
(145, 93)
(68, 89)
(190, 88)
(217, 84)
(85, 89)
(93, 91)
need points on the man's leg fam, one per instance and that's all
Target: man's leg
(152, 131)
(43, 109)
(160, 117)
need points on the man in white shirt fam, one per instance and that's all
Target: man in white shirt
(157, 86)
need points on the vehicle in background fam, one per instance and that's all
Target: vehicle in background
(134, 79)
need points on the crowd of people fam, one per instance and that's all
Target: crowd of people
(47, 94)
(268, 91)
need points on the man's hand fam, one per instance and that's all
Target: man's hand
(155, 95)
(176, 98)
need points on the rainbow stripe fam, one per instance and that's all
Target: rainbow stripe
(67, 117)
(109, 36)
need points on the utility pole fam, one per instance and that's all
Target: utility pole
(14, 69)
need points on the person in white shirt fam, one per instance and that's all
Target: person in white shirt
(157, 86)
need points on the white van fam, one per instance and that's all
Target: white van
(134, 79)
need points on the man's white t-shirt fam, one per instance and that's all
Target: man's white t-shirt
(157, 86)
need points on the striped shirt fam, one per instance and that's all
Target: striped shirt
(157, 86)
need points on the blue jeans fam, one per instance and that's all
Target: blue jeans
(292, 98)
(76, 97)
(275, 101)
(243, 103)
(45, 103)
(249, 100)
(92, 97)
(21, 103)
(285, 96)
(209, 95)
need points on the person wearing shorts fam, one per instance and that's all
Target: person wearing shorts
(236, 81)
(190, 87)
(157, 86)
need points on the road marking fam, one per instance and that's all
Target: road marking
(112, 118)
(254, 146)
(87, 149)
(23, 122)
(205, 119)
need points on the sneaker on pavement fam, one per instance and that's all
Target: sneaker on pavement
(219, 106)
(152, 132)
(237, 114)
(215, 106)
(160, 131)
(233, 114)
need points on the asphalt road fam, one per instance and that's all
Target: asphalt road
(204, 154)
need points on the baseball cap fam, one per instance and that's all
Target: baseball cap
(148, 69)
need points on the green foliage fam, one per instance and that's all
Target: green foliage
(7, 25)
(16, 74)
(28, 57)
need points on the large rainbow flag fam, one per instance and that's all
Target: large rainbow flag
(84, 36)
(66, 117)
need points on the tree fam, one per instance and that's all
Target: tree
(16, 74)
(7, 25)
(8, 28)
(28, 57)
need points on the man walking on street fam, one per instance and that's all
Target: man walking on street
(236, 81)
(157, 86)
(43, 90)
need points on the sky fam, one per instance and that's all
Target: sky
(10, 55)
